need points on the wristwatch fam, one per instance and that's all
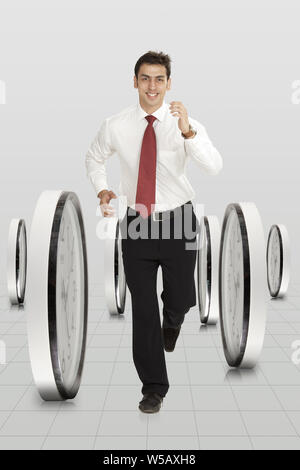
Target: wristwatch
(188, 134)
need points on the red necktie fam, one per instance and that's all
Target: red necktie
(145, 193)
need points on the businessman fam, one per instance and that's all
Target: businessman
(154, 140)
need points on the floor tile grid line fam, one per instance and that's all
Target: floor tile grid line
(281, 347)
(91, 332)
(291, 324)
(283, 320)
(107, 390)
(139, 435)
(192, 398)
(56, 414)
(292, 301)
(16, 404)
(272, 335)
(104, 311)
(282, 407)
(110, 435)
(278, 305)
(15, 334)
(100, 315)
(16, 321)
(3, 333)
(20, 350)
(286, 334)
(238, 407)
(286, 322)
(92, 335)
(273, 303)
(218, 347)
(50, 427)
(12, 359)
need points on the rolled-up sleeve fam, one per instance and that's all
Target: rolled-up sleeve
(202, 151)
(100, 150)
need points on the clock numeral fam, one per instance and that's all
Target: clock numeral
(69, 351)
(74, 291)
(73, 322)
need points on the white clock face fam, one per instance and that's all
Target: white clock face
(69, 294)
(233, 285)
(21, 274)
(202, 272)
(274, 275)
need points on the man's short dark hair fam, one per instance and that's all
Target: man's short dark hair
(152, 57)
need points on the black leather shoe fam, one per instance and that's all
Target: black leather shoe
(170, 336)
(151, 403)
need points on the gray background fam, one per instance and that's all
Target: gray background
(69, 64)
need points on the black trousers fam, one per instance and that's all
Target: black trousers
(146, 245)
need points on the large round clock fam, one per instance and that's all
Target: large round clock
(208, 269)
(115, 281)
(278, 260)
(57, 295)
(16, 261)
(242, 284)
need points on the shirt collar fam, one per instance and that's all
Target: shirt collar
(159, 113)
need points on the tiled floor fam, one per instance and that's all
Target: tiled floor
(209, 405)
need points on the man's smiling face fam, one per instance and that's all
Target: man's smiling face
(152, 85)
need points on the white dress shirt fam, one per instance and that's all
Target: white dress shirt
(123, 133)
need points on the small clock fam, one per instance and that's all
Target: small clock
(278, 260)
(16, 261)
(115, 280)
(57, 295)
(208, 269)
(242, 284)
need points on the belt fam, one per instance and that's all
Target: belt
(165, 215)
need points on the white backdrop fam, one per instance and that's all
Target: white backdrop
(68, 64)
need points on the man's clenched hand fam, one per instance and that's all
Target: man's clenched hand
(105, 196)
(178, 110)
